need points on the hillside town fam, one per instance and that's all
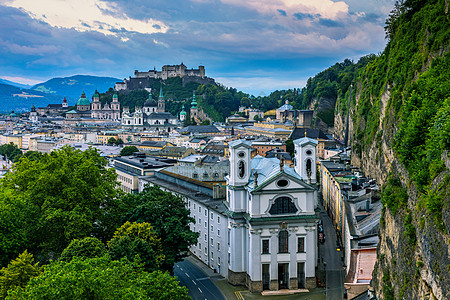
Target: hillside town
(276, 202)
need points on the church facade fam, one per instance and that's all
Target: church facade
(272, 219)
(94, 110)
(151, 116)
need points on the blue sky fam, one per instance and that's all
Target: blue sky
(256, 46)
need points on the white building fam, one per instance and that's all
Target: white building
(263, 233)
(272, 220)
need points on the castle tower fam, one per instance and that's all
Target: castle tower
(115, 107)
(194, 109)
(64, 103)
(305, 159)
(161, 102)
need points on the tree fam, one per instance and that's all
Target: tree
(133, 239)
(170, 219)
(70, 194)
(33, 155)
(119, 141)
(16, 219)
(11, 151)
(18, 273)
(128, 150)
(205, 122)
(99, 278)
(88, 247)
(112, 141)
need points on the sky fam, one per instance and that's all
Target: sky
(256, 46)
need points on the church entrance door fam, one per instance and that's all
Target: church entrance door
(283, 276)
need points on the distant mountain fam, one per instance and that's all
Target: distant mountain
(20, 85)
(72, 87)
(20, 100)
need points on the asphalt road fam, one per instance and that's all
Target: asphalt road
(334, 266)
(198, 283)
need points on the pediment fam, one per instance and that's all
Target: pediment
(283, 181)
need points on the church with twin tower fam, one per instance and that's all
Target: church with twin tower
(272, 219)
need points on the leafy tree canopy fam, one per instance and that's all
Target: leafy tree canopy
(133, 239)
(11, 151)
(18, 273)
(88, 247)
(99, 278)
(70, 194)
(170, 219)
(128, 150)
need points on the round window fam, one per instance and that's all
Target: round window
(282, 182)
(309, 152)
(241, 154)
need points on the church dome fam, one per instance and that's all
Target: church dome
(83, 100)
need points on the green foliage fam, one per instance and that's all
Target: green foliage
(33, 155)
(388, 290)
(88, 247)
(410, 230)
(99, 278)
(18, 272)
(128, 150)
(11, 151)
(140, 239)
(205, 122)
(290, 147)
(435, 200)
(393, 195)
(112, 141)
(170, 220)
(16, 218)
(69, 195)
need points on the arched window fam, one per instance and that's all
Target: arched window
(308, 166)
(283, 239)
(283, 205)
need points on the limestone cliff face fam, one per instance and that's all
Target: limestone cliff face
(323, 108)
(419, 271)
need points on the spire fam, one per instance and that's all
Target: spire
(161, 96)
(194, 102)
(83, 95)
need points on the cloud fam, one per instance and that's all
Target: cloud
(326, 8)
(86, 15)
(23, 80)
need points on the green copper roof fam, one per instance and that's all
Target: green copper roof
(71, 112)
(160, 92)
(83, 100)
(194, 102)
(115, 95)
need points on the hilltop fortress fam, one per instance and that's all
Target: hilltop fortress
(142, 80)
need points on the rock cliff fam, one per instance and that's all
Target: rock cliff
(400, 134)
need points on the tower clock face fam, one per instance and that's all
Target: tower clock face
(241, 168)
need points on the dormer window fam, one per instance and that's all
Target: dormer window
(283, 205)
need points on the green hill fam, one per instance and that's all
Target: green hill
(17, 99)
(71, 87)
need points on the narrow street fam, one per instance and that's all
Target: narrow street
(198, 283)
(330, 260)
